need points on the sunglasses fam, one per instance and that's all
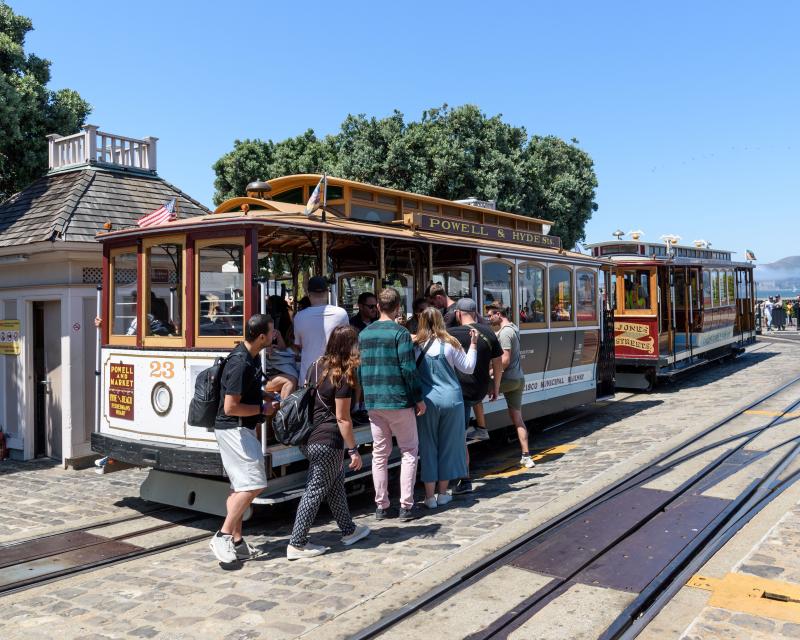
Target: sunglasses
(370, 306)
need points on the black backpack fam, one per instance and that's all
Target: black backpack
(294, 420)
(204, 406)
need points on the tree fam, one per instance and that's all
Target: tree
(28, 109)
(451, 153)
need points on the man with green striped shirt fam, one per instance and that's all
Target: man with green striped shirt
(393, 397)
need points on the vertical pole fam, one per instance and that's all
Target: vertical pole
(324, 195)
(262, 290)
(381, 261)
(430, 262)
(97, 363)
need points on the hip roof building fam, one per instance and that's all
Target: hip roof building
(50, 266)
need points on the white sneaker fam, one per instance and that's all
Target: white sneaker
(309, 551)
(431, 503)
(442, 499)
(362, 531)
(481, 433)
(245, 551)
(527, 462)
(222, 546)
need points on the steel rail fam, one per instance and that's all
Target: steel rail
(46, 578)
(471, 574)
(639, 613)
(519, 612)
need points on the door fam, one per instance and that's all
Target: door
(47, 378)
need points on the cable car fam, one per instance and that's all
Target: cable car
(675, 307)
(176, 296)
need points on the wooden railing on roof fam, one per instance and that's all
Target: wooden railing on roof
(93, 146)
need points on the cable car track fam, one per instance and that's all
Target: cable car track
(657, 592)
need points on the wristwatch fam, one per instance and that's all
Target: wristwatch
(352, 451)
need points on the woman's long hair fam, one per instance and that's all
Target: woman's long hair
(431, 324)
(342, 357)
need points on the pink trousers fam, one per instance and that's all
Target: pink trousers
(402, 424)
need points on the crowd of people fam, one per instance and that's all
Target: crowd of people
(777, 314)
(417, 381)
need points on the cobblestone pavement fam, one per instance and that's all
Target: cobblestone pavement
(185, 594)
(41, 497)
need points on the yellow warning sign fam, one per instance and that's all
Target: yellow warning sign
(9, 337)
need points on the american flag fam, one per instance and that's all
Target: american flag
(163, 214)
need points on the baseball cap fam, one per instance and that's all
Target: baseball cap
(317, 284)
(467, 305)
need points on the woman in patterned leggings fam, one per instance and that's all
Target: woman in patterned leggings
(335, 376)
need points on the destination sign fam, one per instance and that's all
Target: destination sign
(487, 231)
(120, 391)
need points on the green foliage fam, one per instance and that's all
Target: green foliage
(451, 153)
(28, 109)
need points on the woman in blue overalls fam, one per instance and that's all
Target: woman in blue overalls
(442, 445)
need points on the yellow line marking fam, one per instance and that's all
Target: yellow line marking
(508, 469)
(745, 593)
(773, 414)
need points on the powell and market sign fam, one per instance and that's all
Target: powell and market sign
(468, 229)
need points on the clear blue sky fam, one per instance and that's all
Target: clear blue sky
(689, 109)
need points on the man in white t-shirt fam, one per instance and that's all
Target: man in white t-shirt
(313, 326)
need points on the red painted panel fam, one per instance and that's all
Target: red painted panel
(190, 293)
(636, 337)
(105, 305)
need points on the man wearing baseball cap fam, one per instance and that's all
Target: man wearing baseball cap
(313, 326)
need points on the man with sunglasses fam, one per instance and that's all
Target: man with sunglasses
(367, 311)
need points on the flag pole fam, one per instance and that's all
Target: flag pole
(324, 195)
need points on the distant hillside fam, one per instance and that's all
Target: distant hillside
(783, 273)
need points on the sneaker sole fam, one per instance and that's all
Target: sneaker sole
(347, 543)
(214, 551)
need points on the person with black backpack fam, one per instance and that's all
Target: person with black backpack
(333, 379)
(242, 408)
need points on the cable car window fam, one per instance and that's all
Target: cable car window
(707, 288)
(531, 294)
(371, 214)
(220, 290)
(164, 302)
(715, 288)
(637, 289)
(292, 196)
(560, 294)
(457, 282)
(124, 268)
(497, 284)
(353, 285)
(611, 298)
(730, 286)
(586, 294)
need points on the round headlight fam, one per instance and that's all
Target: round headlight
(161, 398)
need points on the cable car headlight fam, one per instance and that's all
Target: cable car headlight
(161, 398)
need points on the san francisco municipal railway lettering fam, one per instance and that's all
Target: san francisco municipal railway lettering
(120, 391)
(488, 231)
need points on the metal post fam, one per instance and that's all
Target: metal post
(262, 291)
(172, 303)
(97, 358)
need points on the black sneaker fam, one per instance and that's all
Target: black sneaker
(381, 514)
(407, 514)
(461, 487)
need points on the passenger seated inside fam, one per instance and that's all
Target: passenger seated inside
(282, 370)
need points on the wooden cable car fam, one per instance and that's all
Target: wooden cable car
(675, 307)
(177, 295)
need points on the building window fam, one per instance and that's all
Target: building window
(586, 295)
(124, 269)
(560, 294)
(164, 302)
(497, 284)
(531, 294)
(220, 290)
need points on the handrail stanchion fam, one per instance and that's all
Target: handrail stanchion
(97, 364)
(262, 291)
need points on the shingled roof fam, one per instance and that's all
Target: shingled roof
(73, 205)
